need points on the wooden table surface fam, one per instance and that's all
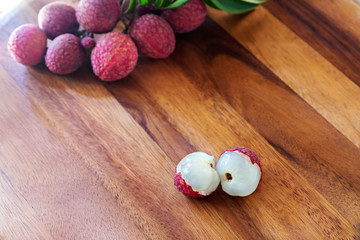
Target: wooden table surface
(84, 159)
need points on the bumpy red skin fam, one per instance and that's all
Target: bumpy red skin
(65, 54)
(153, 36)
(88, 42)
(57, 18)
(186, 18)
(114, 56)
(248, 152)
(27, 44)
(185, 188)
(98, 16)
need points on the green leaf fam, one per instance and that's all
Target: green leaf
(158, 3)
(254, 1)
(234, 6)
(176, 4)
(143, 2)
(165, 3)
(132, 7)
(210, 4)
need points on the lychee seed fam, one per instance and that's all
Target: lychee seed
(228, 176)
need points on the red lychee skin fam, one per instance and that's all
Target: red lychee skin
(88, 42)
(27, 44)
(248, 152)
(114, 56)
(98, 16)
(186, 18)
(153, 36)
(145, 9)
(57, 18)
(65, 54)
(185, 188)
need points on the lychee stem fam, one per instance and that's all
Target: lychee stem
(127, 20)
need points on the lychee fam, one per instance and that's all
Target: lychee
(88, 42)
(114, 56)
(195, 175)
(57, 18)
(240, 171)
(98, 16)
(145, 9)
(153, 36)
(186, 18)
(65, 54)
(27, 44)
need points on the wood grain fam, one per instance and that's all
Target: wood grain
(331, 93)
(84, 159)
(331, 29)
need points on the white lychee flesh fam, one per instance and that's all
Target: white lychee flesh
(198, 171)
(238, 175)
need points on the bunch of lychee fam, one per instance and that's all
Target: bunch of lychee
(238, 169)
(114, 55)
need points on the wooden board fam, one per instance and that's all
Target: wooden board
(84, 159)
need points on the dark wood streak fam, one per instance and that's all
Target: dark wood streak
(328, 38)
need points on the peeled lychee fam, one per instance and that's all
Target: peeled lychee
(65, 54)
(153, 36)
(114, 56)
(57, 18)
(88, 42)
(27, 44)
(195, 175)
(240, 171)
(186, 18)
(98, 16)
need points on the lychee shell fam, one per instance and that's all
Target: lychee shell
(186, 18)
(153, 36)
(185, 188)
(88, 42)
(57, 18)
(114, 56)
(98, 16)
(27, 44)
(65, 54)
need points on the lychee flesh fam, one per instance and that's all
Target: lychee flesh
(195, 175)
(27, 44)
(185, 188)
(114, 56)
(153, 36)
(98, 16)
(186, 18)
(240, 171)
(65, 54)
(57, 18)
